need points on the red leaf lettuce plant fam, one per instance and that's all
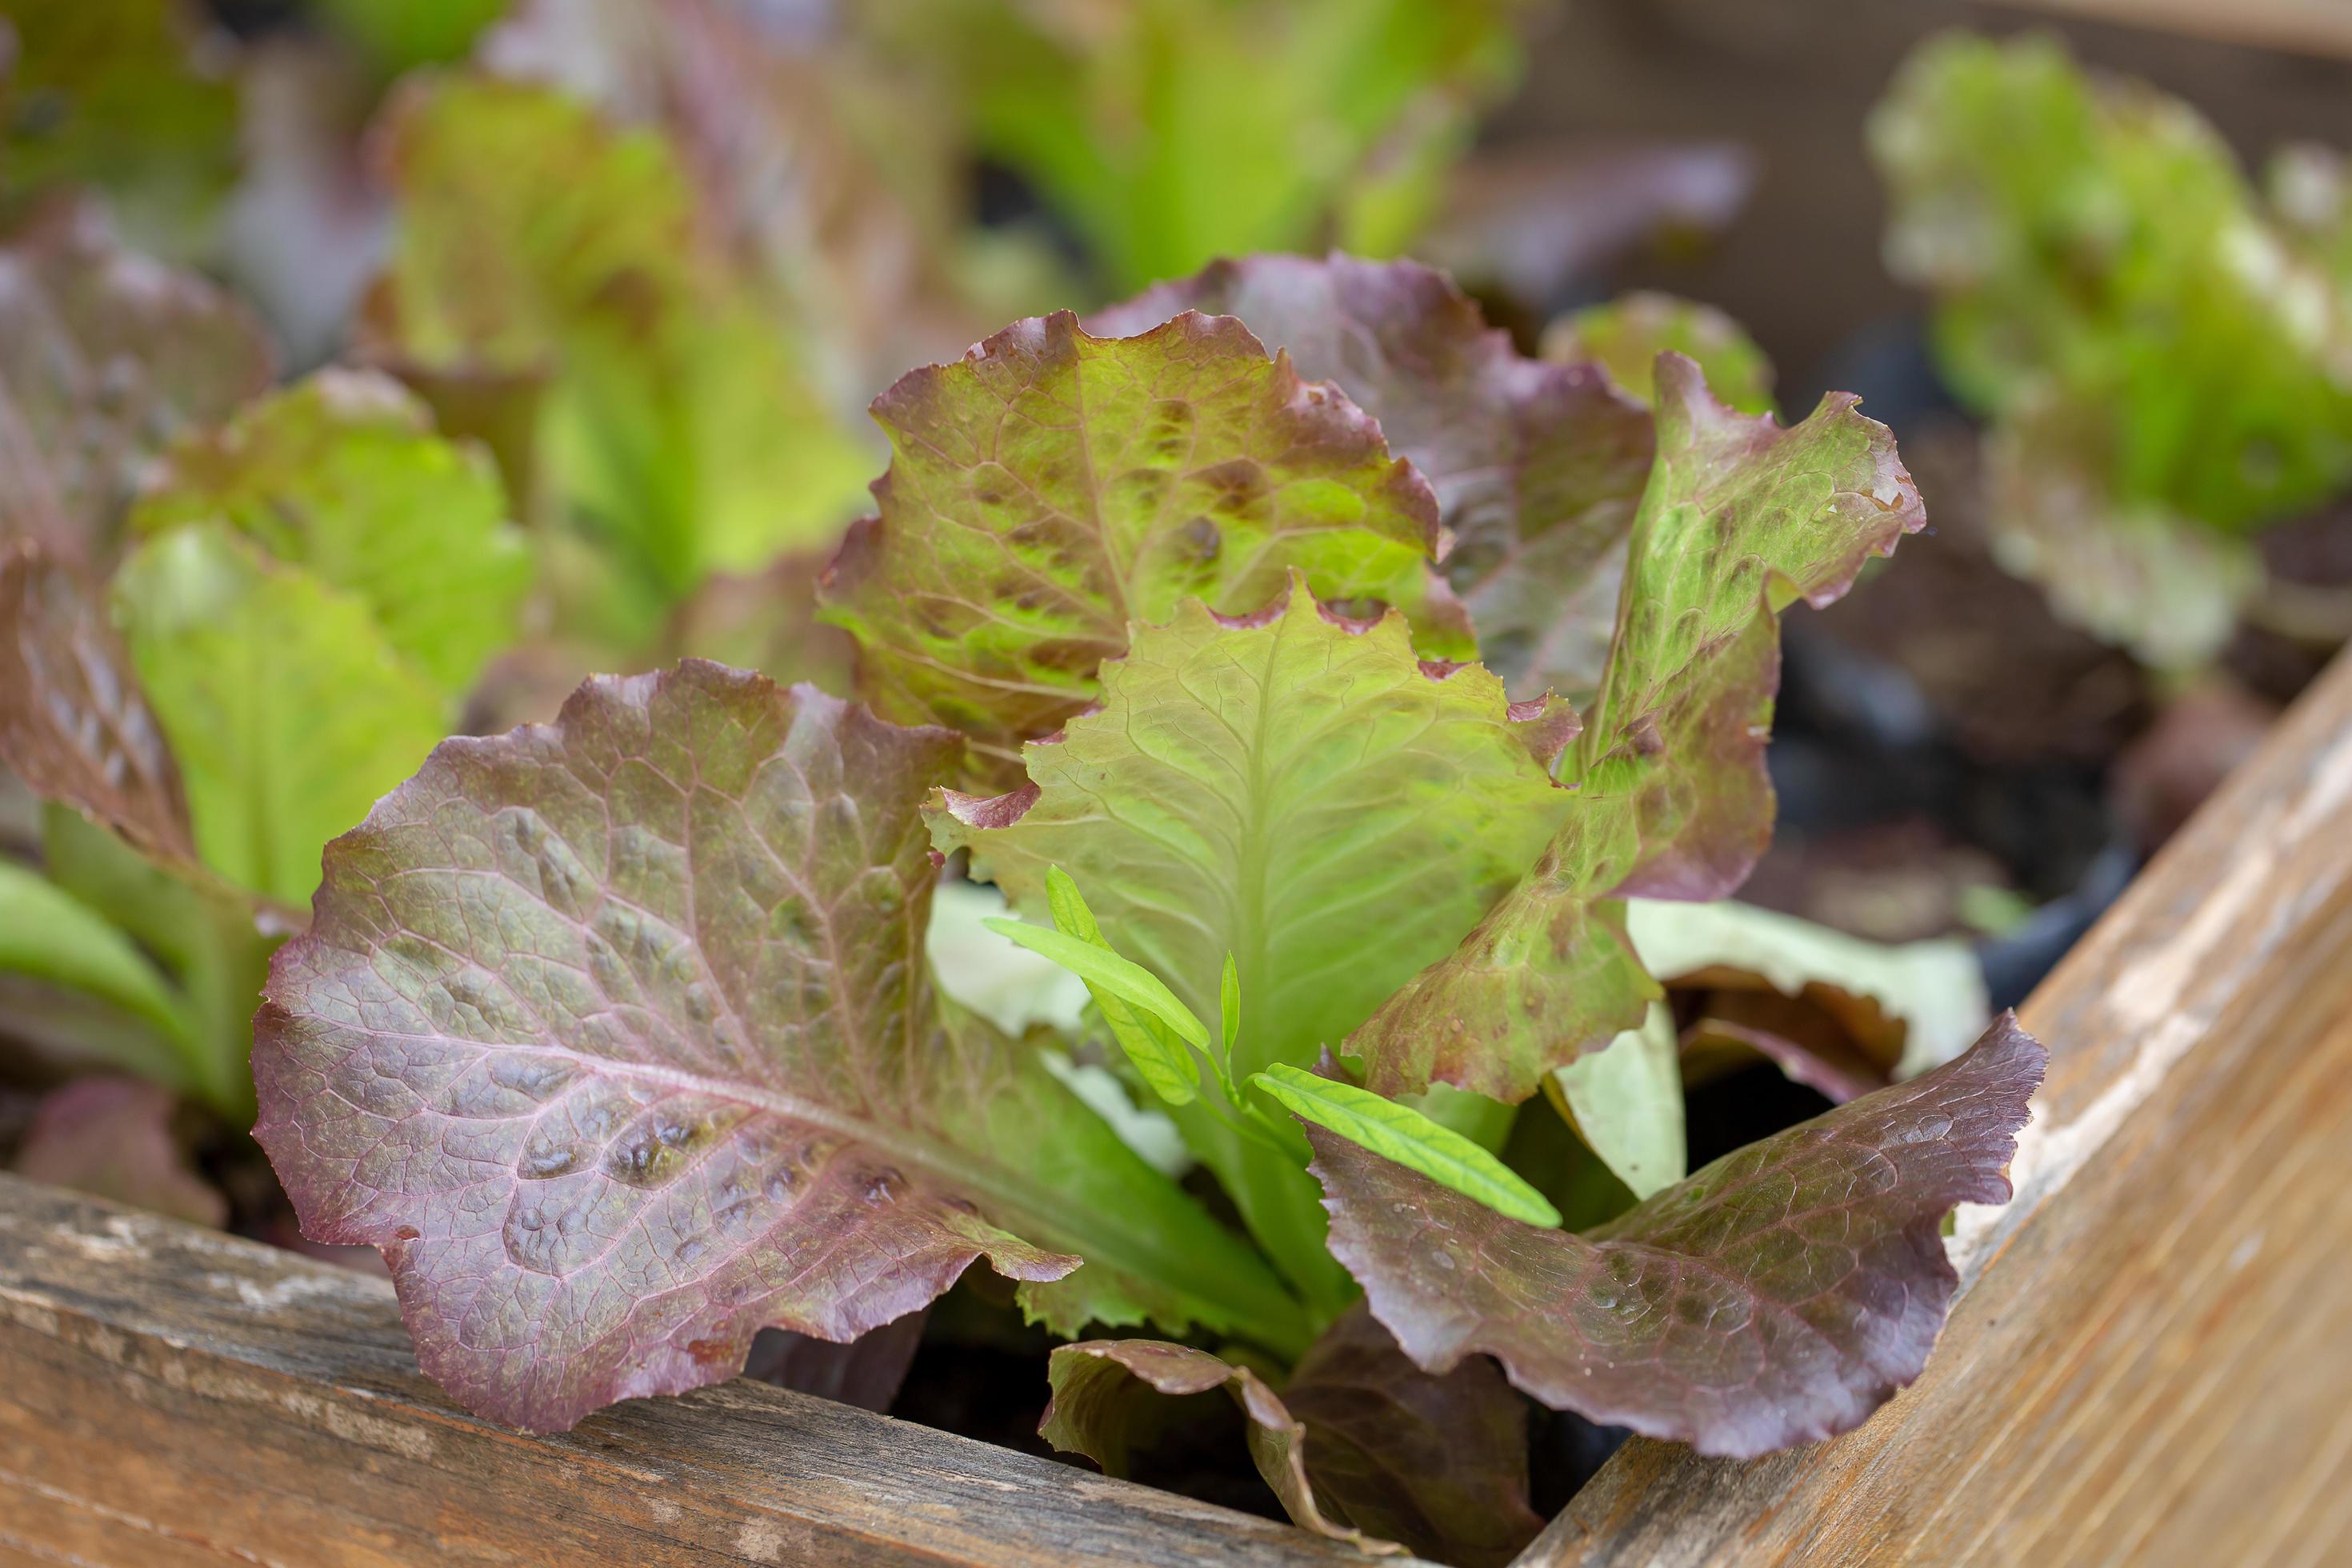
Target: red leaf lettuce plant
(618, 1038)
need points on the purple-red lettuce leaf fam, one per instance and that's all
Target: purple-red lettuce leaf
(1360, 1444)
(1297, 790)
(1101, 1393)
(1436, 1461)
(1741, 520)
(1051, 489)
(74, 724)
(614, 1035)
(1536, 467)
(1778, 1296)
(104, 356)
(113, 1137)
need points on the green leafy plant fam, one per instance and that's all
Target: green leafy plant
(617, 1035)
(1167, 132)
(2163, 351)
(210, 672)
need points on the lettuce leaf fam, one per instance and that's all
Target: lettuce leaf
(1051, 487)
(1297, 790)
(1624, 336)
(2092, 245)
(677, 427)
(1536, 467)
(286, 707)
(113, 1137)
(74, 724)
(1778, 1296)
(1100, 1387)
(105, 356)
(128, 97)
(342, 474)
(615, 1037)
(1360, 1445)
(1167, 132)
(1741, 519)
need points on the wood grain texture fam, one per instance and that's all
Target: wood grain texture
(169, 1396)
(2153, 1359)
(2302, 26)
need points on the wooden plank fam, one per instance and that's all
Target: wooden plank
(2153, 1359)
(2298, 27)
(169, 1396)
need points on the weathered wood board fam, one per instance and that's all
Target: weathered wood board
(169, 1396)
(2154, 1363)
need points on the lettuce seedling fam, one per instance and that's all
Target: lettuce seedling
(2161, 351)
(618, 1038)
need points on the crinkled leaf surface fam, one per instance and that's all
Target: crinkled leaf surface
(678, 424)
(1625, 336)
(104, 356)
(112, 1136)
(615, 1037)
(286, 707)
(1051, 489)
(1778, 1296)
(1536, 467)
(1292, 788)
(74, 724)
(1741, 519)
(343, 475)
(1099, 1386)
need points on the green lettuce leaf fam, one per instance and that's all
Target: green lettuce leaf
(1401, 1133)
(2092, 244)
(1626, 1101)
(677, 427)
(1625, 336)
(341, 473)
(211, 940)
(1741, 519)
(1170, 132)
(1052, 487)
(52, 942)
(1538, 468)
(615, 1037)
(1297, 790)
(286, 707)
